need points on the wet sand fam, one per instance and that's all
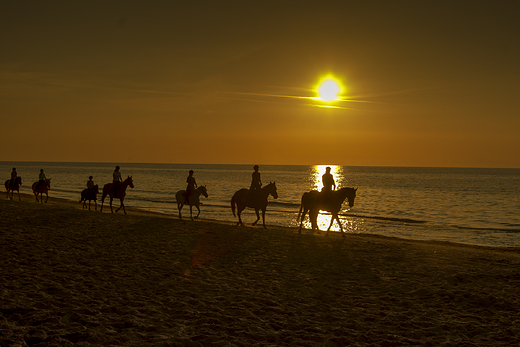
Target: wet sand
(70, 276)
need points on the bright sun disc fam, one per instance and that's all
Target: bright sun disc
(328, 90)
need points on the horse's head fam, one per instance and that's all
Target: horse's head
(203, 191)
(96, 189)
(129, 181)
(271, 189)
(351, 195)
(48, 182)
(18, 180)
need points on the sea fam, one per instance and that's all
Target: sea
(476, 206)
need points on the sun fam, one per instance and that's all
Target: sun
(329, 89)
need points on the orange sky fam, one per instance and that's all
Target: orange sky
(430, 83)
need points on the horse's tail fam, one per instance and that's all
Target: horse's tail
(299, 213)
(233, 203)
(301, 209)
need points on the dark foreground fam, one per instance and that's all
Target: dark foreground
(75, 277)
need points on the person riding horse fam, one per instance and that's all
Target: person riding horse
(256, 182)
(116, 180)
(14, 175)
(328, 183)
(90, 186)
(190, 188)
(41, 178)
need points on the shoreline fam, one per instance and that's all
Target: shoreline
(72, 276)
(139, 211)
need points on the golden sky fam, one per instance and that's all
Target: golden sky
(425, 83)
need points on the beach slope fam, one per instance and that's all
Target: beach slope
(70, 276)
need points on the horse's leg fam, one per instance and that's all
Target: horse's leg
(88, 205)
(331, 222)
(95, 204)
(239, 214)
(257, 216)
(111, 198)
(180, 206)
(335, 217)
(46, 196)
(191, 211)
(36, 196)
(198, 208)
(102, 201)
(340, 225)
(313, 218)
(19, 195)
(303, 217)
(122, 205)
(263, 217)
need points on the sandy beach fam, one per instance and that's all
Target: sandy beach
(71, 276)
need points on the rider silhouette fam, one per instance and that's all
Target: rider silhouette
(256, 183)
(328, 182)
(14, 175)
(191, 186)
(116, 179)
(90, 185)
(41, 178)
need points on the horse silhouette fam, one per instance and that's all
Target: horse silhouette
(89, 195)
(256, 199)
(194, 200)
(120, 193)
(12, 187)
(312, 202)
(41, 187)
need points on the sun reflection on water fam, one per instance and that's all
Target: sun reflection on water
(350, 225)
(324, 218)
(319, 170)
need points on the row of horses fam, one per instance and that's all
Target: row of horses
(311, 202)
(42, 187)
(38, 187)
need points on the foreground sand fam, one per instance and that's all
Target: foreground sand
(76, 277)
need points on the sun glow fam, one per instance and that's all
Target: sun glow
(329, 89)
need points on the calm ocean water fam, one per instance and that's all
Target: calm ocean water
(462, 205)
